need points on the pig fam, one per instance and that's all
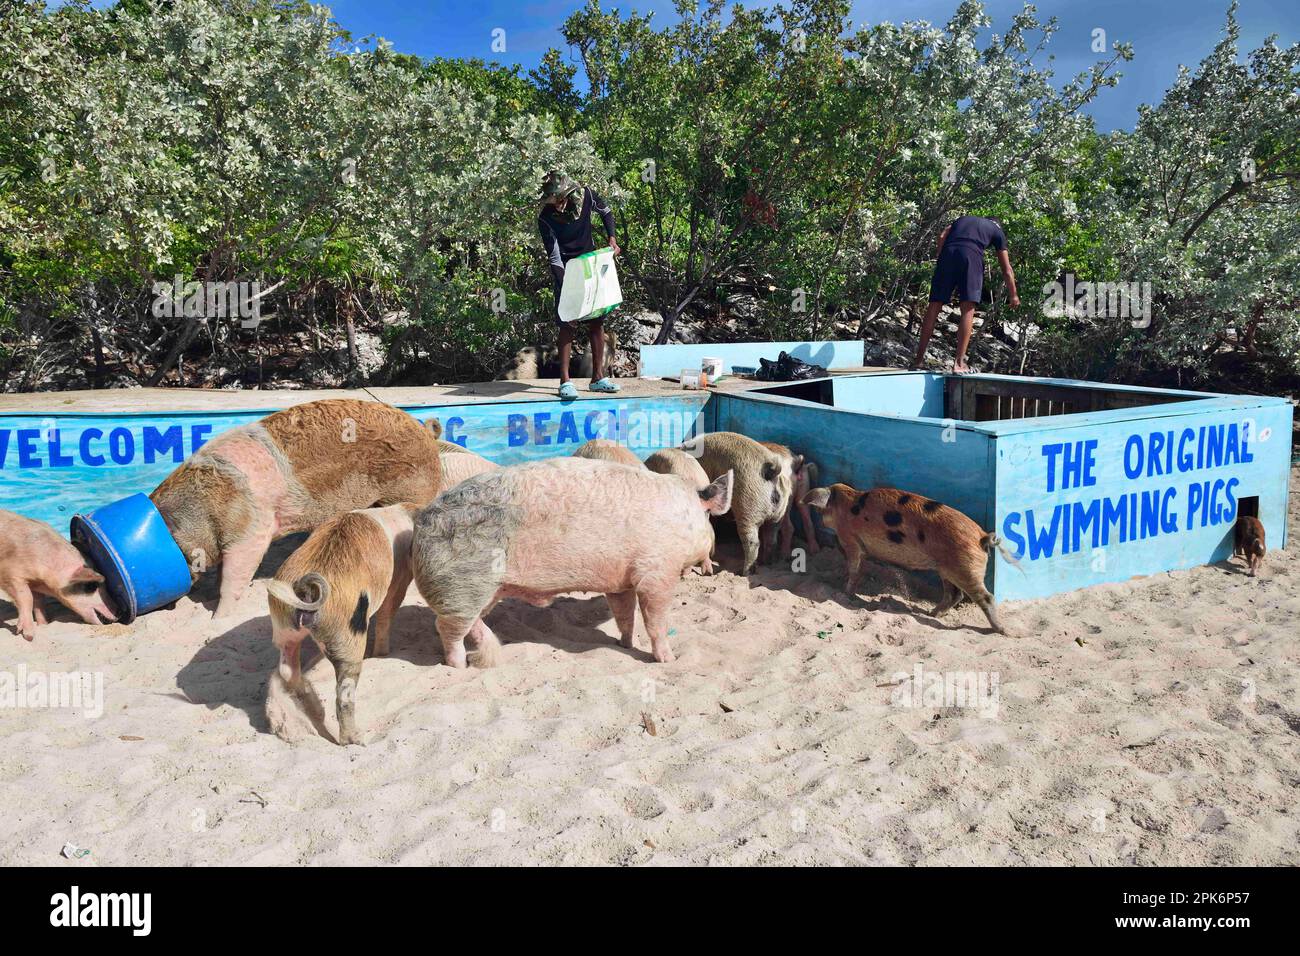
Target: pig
(354, 568)
(602, 449)
(674, 461)
(457, 467)
(1248, 541)
(289, 472)
(566, 524)
(763, 482)
(35, 563)
(804, 478)
(914, 532)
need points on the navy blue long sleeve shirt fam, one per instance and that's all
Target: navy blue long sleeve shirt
(566, 238)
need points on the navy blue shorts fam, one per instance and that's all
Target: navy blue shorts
(961, 268)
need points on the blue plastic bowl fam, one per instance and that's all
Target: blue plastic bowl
(129, 544)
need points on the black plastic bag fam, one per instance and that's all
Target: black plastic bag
(787, 368)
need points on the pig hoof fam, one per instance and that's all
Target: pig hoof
(665, 655)
(352, 739)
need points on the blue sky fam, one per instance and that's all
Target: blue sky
(1164, 33)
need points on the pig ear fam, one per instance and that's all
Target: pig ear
(86, 574)
(797, 464)
(818, 497)
(810, 469)
(435, 427)
(717, 497)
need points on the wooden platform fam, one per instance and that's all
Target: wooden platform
(134, 401)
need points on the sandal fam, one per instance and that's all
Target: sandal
(603, 385)
(568, 391)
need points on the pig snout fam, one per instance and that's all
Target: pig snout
(86, 596)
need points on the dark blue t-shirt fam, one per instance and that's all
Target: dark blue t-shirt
(978, 232)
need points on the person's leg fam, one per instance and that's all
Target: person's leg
(566, 347)
(596, 332)
(927, 330)
(964, 328)
(970, 287)
(942, 284)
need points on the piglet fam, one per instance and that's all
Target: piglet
(352, 569)
(544, 529)
(35, 562)
(914, 532)
(1248, 542)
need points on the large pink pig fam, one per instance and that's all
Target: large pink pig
(568, 524)
(35, 563)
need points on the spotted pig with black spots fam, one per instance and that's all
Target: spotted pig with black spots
(914, 532)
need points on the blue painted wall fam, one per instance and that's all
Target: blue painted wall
(667, 361)
(1009, 475)
(916, 395)
(52, 467)
(1106, 501)
(949, 462)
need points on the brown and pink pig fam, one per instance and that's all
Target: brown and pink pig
(289, 472)
(353, 569)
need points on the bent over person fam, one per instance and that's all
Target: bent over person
(565, 225)
(960, 268)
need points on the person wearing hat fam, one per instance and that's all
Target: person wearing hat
(565, 225)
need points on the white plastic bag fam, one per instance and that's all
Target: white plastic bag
(590, 287)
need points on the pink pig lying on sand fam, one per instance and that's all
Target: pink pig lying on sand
(36, 562)
(568, 524)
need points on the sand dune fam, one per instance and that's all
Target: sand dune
(1157, 721)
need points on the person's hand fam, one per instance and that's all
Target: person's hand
(1015, 300)
(614, 247)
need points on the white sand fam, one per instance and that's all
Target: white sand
(1171, 736)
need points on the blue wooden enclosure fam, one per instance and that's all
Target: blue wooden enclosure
(54, 466)
(1085, 482)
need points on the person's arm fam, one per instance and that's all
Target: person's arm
(942, 236)
(552, 246)
(1004, 260)
(607, 217)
